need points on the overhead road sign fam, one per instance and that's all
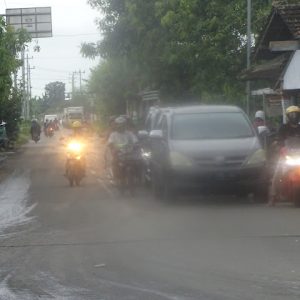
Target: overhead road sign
(37, 21)
(150, 95)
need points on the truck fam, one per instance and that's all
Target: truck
(72, 114)
(50, 117)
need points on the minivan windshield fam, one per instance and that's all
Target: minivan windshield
(223, 125)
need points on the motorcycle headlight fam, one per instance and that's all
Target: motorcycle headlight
(180, 160)
(257, 158)
(292, 160)
(75, 147)
(146, 154)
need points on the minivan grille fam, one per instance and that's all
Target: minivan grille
(230, 161)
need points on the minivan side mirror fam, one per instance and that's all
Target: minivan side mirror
(156, 134)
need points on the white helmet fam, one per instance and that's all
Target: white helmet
(260, 115)
(120, 121)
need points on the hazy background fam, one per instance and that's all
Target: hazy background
(73, 24)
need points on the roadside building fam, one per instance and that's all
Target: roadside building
(276, 61)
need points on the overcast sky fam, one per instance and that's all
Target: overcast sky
(73, 24)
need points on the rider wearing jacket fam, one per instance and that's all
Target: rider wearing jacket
(291, 129)
(121, 136)
(118, 138)
(35, 129)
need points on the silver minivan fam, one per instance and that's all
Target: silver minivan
(207, 146)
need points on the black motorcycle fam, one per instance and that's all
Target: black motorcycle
(35, 137)
(126, 171)
(145, 152)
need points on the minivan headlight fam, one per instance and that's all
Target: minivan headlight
(257, 158)
(179, 160)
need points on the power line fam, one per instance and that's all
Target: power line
(46, 79)
(75, 35)
(52, 57)
(54, 70)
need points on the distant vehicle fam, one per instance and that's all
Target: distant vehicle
(50, 117)
(206, 146)
(72, 114)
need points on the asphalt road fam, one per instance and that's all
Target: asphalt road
(59, 242)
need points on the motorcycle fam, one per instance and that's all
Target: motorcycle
(75, 166)
(50, 132)
(127, 159)
(290, 180)
(35, 137)
(145, 170)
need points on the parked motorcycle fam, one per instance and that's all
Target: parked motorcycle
(290, 181)
(75, 165)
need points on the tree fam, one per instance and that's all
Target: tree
(11, 44)
(54, 94)
(186, 49)
(114, 83)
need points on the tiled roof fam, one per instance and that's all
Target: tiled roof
(290, 14)
(271, 69)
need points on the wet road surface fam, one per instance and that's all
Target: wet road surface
(89, 242)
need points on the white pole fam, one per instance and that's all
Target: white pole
(248, 88)
(24, 104)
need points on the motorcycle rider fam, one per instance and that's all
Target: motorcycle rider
(45, 127)
(120, 137)
(35, 129)
(76, 135)
(291, 129)
(259, 119)
(50, 125)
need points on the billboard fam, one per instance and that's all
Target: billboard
(36, 20)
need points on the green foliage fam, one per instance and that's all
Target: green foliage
(54, 93)
(37, 107)
(184, 48)
(24, 133)
(114, 82)
(11, 110)
(81, 98)
(11, 44)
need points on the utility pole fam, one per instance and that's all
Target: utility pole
(73, 83)
(23, 84)
(30, 87)
(80, 79)
(249, 42)
(27, 89)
